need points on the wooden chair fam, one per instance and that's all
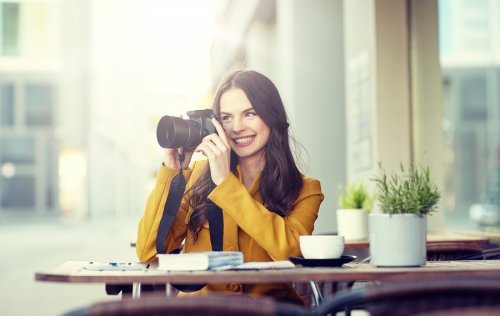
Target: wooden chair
(440, 251)
(487, 254)
(468, 311)
(417, 296)
(394, 296)
(213, 305)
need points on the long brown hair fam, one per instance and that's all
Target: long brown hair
(281, 180)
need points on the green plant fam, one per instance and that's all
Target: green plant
(408, 192)
(356, 196)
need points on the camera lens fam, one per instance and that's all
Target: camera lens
(174, 132)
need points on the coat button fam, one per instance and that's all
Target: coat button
(235, 287)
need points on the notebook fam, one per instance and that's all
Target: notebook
(199, 260)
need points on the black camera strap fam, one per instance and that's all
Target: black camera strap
(174, 197)
(215, 221)
(172, 204)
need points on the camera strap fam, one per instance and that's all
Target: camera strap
(174, 197)
(215, 221)
(172, 204)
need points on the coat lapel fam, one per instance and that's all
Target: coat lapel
(230, 226)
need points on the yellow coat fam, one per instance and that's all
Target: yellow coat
(248, 226)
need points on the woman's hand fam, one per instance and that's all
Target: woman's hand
(171, 158)
(216, 148)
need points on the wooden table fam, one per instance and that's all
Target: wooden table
(73, 272)
(152, 279)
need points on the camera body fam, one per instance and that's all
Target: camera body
(175, 132)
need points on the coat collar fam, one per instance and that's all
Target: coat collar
(254, 188)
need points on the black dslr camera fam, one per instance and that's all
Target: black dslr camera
(175, 132)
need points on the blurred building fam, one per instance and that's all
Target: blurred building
(77, 120)
(30, 62)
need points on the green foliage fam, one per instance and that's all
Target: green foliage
(409, 192)
(356, 196)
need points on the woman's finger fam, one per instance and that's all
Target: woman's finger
(216, 140)
(220, 131)
(170, 158)
(208, 149)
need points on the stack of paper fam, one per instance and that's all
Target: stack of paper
(199, 260)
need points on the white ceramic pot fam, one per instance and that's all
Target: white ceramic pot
(398, 240)
(352, 224)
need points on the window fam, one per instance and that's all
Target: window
(468, 54)
(472, 97)
(6, 104)
(17, 150)
(39, 104)
(9, 17)
(18, 192)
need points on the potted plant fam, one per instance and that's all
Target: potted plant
(352, 215)
(398, 231)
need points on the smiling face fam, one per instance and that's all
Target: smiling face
(246, 132)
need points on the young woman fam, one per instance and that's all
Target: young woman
(266, 202)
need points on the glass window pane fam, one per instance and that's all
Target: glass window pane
(39, 104)
(6, 105)
(10, 29)
(473, 102)
(17, 149)
(18, 192)
(472, 111)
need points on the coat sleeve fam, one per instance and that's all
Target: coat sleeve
(150, 221)
(277, 235)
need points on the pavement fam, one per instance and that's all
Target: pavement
(30, 245)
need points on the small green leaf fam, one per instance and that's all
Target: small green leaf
(410, 191)
(355, 197)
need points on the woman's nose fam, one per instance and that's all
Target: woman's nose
(238, 125)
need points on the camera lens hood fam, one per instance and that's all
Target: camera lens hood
(172, 132)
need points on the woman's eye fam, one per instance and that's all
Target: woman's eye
(250, 114)
(225, 118)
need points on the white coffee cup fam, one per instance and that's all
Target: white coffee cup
(321, 246)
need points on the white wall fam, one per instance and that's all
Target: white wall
(360, 69)
(427, 99)
(312, 62)
(404, 85)
(376, 50)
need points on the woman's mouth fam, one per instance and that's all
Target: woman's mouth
(243, 141)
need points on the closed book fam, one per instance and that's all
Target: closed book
(199, 260)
